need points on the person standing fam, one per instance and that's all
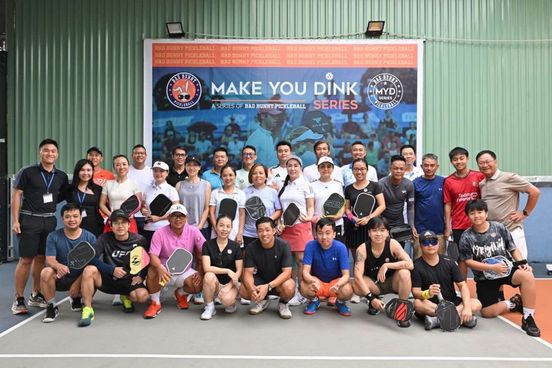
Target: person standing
(101, 176)
(86, 194)
(177, 172)
(143, 176)
(249, 155)
(277, 174)
(357, 151)
(220, 159)
(38, 190)
(311, 174)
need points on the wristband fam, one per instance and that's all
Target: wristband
(370, 297)
(425, 294)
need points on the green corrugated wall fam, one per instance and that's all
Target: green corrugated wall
(75, 67)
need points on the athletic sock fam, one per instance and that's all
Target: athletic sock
(51, 301)
(211, 304)
(528, 312)
(508, 303)
(340, 301)
(155, 297)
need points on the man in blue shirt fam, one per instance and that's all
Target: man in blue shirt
(326, 270)
(57, 276)
(428, 199)
(220, 158)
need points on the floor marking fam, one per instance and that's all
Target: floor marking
(34, 316)
(542, 341)
(264, 357)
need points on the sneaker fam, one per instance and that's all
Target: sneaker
(87, 316)
(283, 310)
(116, 300)
(517, 304)
(181, 300)
(37, 300)
(245, 301)
(528, 325)
(343, 309)
(232, 308)
(198, 298)
(403, 324)
(153, 310)
(431, 322)
(297, 299)
(217, 301)
(128, 306)
(355, 299)
(209, 312)
(76, 304)
(372, 311)
(18, 306)
(331, 301)
(51, 313)
(259, 307)
(312, 307)
(471, 323)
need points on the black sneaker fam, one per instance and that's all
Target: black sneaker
(373, 311)
(528, 325)
(51, 313)
(403, 324)
(76, 304)
(517, 304)
(18, 306)
(37, 300)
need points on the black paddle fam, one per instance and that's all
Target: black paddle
(255, 208)
(131, 205)
(177, 263)
(446, 313)
(333, 204)
(160, 205)
(399, 310)
(364, 205)
(228, 207)
(291, 214)
(80, 255)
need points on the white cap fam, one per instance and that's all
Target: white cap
(296, 158)
(178, 208)
(325, 159)
(160, 165)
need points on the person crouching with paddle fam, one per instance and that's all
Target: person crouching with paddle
(483, 242)
(434, 277)
(223, 264)
(381, 267)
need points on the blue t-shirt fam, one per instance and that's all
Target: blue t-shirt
(271, 201)
(58, 245)
(326, 264)
(429, 212)
(213, 178)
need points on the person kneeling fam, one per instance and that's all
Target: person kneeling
(326, 270)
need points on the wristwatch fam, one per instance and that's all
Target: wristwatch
(525, 213)
(269, 287)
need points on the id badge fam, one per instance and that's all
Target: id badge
(48, 198)
(83, 213)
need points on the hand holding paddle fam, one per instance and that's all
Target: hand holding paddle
(77, 258)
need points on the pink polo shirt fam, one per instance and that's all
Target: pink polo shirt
(165, 241)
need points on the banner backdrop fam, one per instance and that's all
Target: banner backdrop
(204, 94)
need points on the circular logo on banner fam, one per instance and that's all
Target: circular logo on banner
(385, 91)
(183, 90)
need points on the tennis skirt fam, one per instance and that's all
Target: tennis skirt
(298, 236)
(355, 235)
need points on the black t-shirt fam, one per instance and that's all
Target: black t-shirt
(372, 264)
(174, 177)
(445, 273)
(268, 263)
(351, 193)
(35, 182)
(225, 259)
(113, 251)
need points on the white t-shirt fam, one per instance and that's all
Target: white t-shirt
(242, 179)
(117, 192)
(277, 176)
(297, 192)
(143, 178)
(149, 195)
(217, 195)
(322, 190)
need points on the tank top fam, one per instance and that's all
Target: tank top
(373, 264)
(192, 196)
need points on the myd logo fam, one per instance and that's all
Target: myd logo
(385, 91)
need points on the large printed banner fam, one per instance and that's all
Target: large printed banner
(204, 94)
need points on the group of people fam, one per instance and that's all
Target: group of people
(248, 259)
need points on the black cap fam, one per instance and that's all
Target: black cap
(428, 234)
(94, 149)
(118, 214)
(192, 159)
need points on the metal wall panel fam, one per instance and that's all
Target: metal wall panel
(76, 67)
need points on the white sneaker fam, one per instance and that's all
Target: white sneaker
(116, 300)
(245, 301)
(232, 308)
(209, 312)
(297, 299)
(355, 299)
(198, 298)
(259, 307)
(284, 311)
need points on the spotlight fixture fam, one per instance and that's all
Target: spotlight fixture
(175, 30)
(375, 28)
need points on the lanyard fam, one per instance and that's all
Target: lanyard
(81, 200)
(48, 183)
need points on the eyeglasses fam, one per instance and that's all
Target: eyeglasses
(180, 154)
(360, 169)
(430, 242)
(248, 154)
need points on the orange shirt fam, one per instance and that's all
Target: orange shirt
(101, 176)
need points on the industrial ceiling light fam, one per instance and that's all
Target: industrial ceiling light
(175, 29)
(375, 28)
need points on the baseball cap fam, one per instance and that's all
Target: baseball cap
(325, 159)
(178, 208)
(94, 149)
(296, 158)
(118, 214)
(428, 234)
(160, 165)
(192, 159)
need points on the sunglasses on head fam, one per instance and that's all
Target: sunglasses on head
(430, 242)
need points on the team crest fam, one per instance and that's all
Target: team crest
(183, 90)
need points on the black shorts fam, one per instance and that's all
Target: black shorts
(34, 231)
(66, 281)
(118, 286)
(487, 290)
(259, 281)
(456, 235)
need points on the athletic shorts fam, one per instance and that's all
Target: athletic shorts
(325, 287)
(385, 287)
(178, 280)
(259, 281)
(118, 286)
(66, 281)
(487, 290)
(518, 235)
(34, 231)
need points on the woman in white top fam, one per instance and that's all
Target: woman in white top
(115, 192)
(228, 190)
(158, 186)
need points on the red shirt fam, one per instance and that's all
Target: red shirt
(101, 177)
(458, 191)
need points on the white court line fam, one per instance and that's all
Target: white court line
(34, 316)
(542, 341)
(275, 357)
